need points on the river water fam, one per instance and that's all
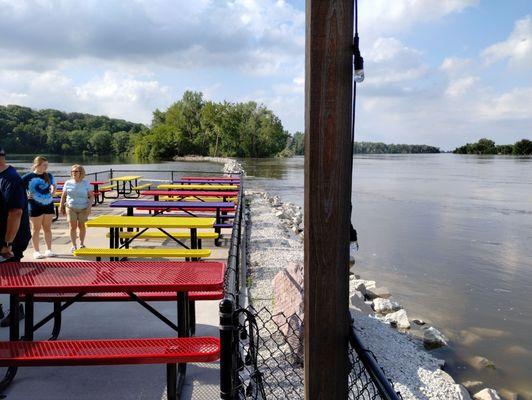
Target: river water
(449, 235)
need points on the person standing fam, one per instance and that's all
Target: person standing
(76, 203)
(14, 222)
(40, 186)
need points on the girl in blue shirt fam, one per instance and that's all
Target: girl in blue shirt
(40, 186)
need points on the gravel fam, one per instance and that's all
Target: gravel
(414, 372)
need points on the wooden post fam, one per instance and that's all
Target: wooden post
(329, 37)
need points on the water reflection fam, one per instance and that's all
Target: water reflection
(271, 168)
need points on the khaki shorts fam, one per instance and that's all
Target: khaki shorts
(77, 214)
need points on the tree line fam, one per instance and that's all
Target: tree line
(296, 146)
(197, 126)
(487, 146)
(24, 130)
(190, 126)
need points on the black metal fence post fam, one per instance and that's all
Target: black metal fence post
(226, 351)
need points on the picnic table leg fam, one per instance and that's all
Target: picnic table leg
(94, 191)
(129, 213)
(117, 241)
(111, 238)
(57, 321)
(217, 230)
(218, 221)
(194, 241)
(183, 330)
(14, 335)
(28, 319)
(192, 317)
(171, 382)
(112, 241)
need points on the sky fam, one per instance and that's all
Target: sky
(438, 72)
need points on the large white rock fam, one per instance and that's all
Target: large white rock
(385, 306)
(487, 394)
(399, 319)
(433, 338)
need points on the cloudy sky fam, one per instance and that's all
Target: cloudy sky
(439, 72)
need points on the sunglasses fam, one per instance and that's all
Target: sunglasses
(73, 172)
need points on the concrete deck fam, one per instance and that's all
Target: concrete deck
(113, 320)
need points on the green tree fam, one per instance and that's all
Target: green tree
(121, 143)
(101, 143)
(522, 147)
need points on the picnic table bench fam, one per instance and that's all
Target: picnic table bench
(28, 279)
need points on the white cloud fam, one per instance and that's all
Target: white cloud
(517, 48)
(123, 96)
(513, 105)
(392, 65)
(174, 33)
(461, 86)
(384, 17)
(112, 94)
(455, 66)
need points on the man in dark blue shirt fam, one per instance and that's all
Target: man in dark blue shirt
(14, 221)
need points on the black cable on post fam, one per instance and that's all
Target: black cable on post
(358, 76)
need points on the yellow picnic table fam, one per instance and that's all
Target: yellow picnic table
(117, 222)
(125, 178)
(178, 186)
(125, 185)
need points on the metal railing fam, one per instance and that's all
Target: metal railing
(166, 175)
(262, 354)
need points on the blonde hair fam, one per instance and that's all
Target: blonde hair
(80, 167)
(38, 161)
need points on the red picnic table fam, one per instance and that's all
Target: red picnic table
(28, 279)
(197, 194)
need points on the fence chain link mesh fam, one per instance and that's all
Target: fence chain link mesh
(270, 359)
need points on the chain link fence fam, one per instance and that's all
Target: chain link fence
(270, 360)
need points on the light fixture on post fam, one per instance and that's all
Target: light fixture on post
(358, 62)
